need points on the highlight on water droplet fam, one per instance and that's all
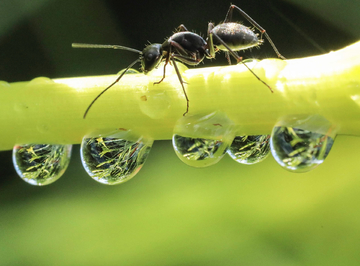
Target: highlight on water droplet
(303, 144)
(40, 81)
(4, 84)
(41, 164)
(250, 149)
(202, 141)
(116, 158)
(130, 71)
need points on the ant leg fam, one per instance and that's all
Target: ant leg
(227, 55)
(210, 42)
(178, 48)
(183, 56)
(186, 60)
(228, 16)
(239, 59)
(232, 52)
(258, 27)
(166, 62)
(181, 28)
(108, 87)
(182, 84)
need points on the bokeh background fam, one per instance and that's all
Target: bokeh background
(170, 213)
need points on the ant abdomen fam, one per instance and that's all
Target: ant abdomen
(236, 36)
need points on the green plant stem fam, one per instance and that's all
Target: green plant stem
(49, 111)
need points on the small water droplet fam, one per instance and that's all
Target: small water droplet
(40, 81)
(202, 141)
(249, 61)
(114, 159)
(130, 71)
(43, 128)
(250, 149)
(299, 150)
(20, 107)
(4, 84)
(155, 104)
(41, 164)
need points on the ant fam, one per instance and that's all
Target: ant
(191, 49)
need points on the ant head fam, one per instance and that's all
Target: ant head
(151, 56)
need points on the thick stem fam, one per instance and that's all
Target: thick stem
(51, 111)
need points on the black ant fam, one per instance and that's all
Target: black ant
(191, 49)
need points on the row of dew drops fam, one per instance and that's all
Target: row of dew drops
(298, 144)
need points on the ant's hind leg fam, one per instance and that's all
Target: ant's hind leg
(257, 26)
(210, 42)
(228, 16)
(239, 59)
(229, 50)
(181, 28)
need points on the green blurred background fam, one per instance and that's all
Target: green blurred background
(170, 213)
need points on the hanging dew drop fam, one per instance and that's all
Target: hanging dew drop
(202, 141)
(250, 149)
(41, 164)
(111, 160)
(299, 150)
(199, 152)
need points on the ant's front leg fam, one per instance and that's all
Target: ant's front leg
(166, 62)
(178, 49)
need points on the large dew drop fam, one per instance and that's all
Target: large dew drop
(250, 149)
(41, 164)
(114, 160)
(299, 150)
(201, 141)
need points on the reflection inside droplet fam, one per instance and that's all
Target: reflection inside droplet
(199, 152)
(201, 141)
(111, 160)
(299, 150)
(41, 164)
(250, 149)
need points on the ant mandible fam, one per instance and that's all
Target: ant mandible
(191, 49)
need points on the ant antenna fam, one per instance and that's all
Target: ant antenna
(106, 46)
(112, 84)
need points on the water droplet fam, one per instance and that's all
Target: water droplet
(41, 164)
(250, 149)
(156, 99)
(130, 71)
(20, 107)
(299, 150)
(43, 128)
(40, 81)
(249, 61)
(202, 141)
(114, 159)
(4, 84)
(155, 104)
